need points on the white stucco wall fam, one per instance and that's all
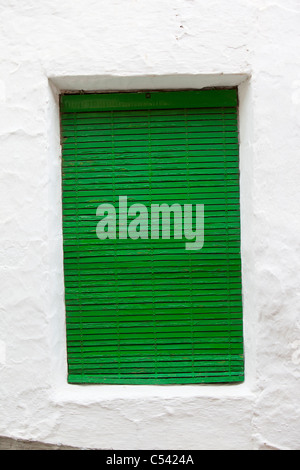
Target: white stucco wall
(53, 45)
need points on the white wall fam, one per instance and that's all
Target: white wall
(47, 46)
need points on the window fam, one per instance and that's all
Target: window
(151, 229)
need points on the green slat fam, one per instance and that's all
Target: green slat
(219, 318)
(121, 285)
(133, 380)
(207, 345)
(142, 145)
(201, 362)
(142, 306)
(152, 100)
(79, 141)
(216, 148)
(131, 114)
(148, 311)
(170, 176)
(143, 131)
(98, 155)
(172, 117)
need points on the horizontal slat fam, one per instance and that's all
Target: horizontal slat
(93, 156)
(100, 181)
(148, 132)
(213, 221)
(144, 366)
(218, 197)
(71, 239)
(129, 261)
(180, 255)
(215, 148)
(150, 369)
(149, 115)
(146, 140)
(164, 380)
(152, 100)
(85, 350)
(221, 239)
(134, 175)
(142, 146)
(157, 322)
(210, 274)
(222, 345)
(151, 337)
(142, 120)
(152, 130)
(118, 283)
(216, 182)
(150, 316)
(201, 290)
(131, 114)
(153, 327)
(143, 363)
(133, 272)
(204, 298)
(208, 306)
(216, 349)
(86, 223)
(118, 122)
(173, 169)
(75, 251)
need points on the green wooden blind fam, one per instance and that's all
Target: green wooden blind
(148, 311)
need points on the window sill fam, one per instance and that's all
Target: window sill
(88, 394)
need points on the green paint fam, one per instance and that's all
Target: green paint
(148, 311)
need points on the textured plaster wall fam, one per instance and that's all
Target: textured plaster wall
(51, 45)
